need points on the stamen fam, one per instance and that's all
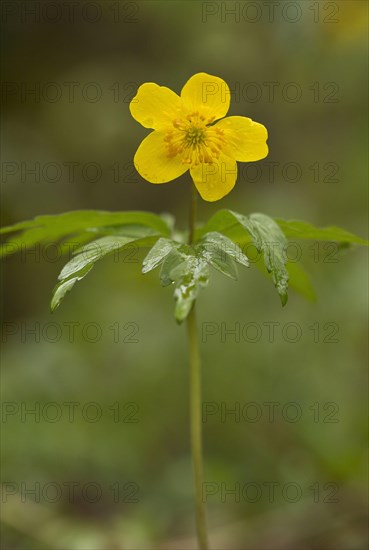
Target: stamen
(193, 140)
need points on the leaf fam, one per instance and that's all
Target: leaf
(53, 228)
(157, 254)
(298, 278)
(191, 275)
(183, 265)
(233, 226)
(221, 253)
(128, 230)
(66, 285)
(225, 265)
(216, 243)
(300, 281)
(223, 222)
(304, 230)
(92, 252)
(173, 260)
(266, 236)
(269, 239)
(84, 260)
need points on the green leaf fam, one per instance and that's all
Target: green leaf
(267, 237)
(128, 230)
(157, 254)
(230, 224)
(66, 285)
(303, 230)
(300, 281)
(85, 258)
(221, 253)
(173, 260)
(215, 243)
(225, 265)
(54, 228)
(182, 265)
(190, 276)
(92, 252)
(223, 222)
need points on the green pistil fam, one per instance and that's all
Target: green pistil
(195, 136)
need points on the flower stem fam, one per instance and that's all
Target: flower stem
(192, 217)
(195, 405)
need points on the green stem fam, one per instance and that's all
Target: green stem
(192, 217)
(195, 405)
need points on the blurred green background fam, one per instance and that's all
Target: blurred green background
(314, 450)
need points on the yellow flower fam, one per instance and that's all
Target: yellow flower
(186, 138)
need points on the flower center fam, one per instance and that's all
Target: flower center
(194, 141)
(195, 135)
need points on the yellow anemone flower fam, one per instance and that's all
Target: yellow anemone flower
(186, 136)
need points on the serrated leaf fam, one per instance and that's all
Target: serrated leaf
(228, 223)
(182, 265)
(84, 260)
(128, 230)
(216, 244)
(174, 259)
(66, 285)
(92, 252)
(269, 239)
(303, 230)
(213, 248)
(266, 236)
(54, 228)
(192, 274)
(222, 222)
(300, 281)
(158, 253)
(225, 265)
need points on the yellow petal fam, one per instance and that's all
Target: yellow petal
(155, 106)
(152, 162)
(207, 94)
(245, 139)
(214, 181)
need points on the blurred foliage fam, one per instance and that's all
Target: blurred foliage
(169, 42)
